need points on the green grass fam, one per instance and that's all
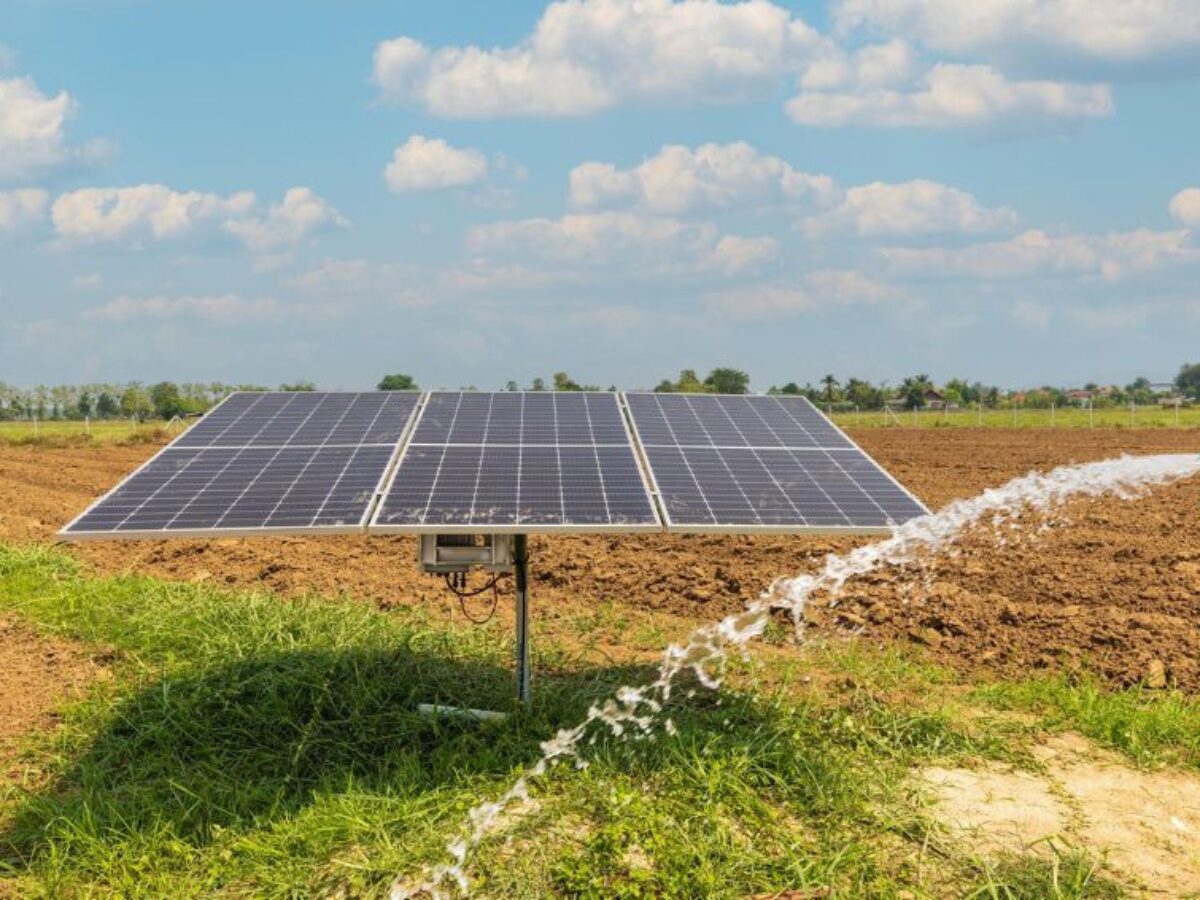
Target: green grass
(250, 746)
(1150, 727)
(1142, 417)
(69, 433)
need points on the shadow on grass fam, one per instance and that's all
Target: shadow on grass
(242, 745)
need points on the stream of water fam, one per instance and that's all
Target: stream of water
(636, 710)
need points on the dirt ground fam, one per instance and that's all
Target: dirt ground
(1116, 591)
(1143, 824)
(36, 674)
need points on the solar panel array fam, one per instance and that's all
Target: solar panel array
(457, 461)
(516, 462)
(742, 463)
(262, 462)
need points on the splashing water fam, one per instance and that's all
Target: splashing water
(634, 711)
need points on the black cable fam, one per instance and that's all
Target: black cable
(457, 586)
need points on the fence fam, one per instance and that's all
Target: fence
(23, 430)
(977, 416)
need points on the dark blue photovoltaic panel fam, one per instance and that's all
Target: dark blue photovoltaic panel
(761, 462)
(539, 418)
(266, 461)
(521, 461)
(304, 419)
(715, 420)
(186, 489)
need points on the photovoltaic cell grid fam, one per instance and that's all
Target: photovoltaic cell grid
(771, 463)
(518, 462)
(262, 462)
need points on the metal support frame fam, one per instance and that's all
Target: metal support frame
(521, 578)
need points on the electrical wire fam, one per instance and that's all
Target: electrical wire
(457, 583)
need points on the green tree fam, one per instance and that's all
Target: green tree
(791, 388)
(166, 400)
(83, 406)
(539, 384)
(727, 381)
(135, 402)
(913, 390)
(106, 405)
(863, 394)
(302, 387)
(689, 383)
(831, 388)
(397, 382)
(1188, 380)
(666, 386)
(511, 386)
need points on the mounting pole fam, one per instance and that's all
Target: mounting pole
(521, 576)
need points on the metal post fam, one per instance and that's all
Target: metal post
(521, 576)
(1051, 415)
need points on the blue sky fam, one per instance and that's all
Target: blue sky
(1006, 190)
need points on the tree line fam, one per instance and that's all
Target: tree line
(168, 399)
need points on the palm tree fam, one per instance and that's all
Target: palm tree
(831, 385)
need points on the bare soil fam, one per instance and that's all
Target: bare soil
(1116, 590)
(1145, 826)
(36, 675)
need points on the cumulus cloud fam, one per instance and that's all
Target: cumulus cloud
(21, 208)
(144, 210)
(909, 208)
(822, 289)
(157, 212)
(431, 164)
(630, 240)
(1032, 253)
(223, 309)
(33, 134)
(950, 96)
(679, 180)
(591, 55)
(300, 214)
(1108, 31)
(1185, 206)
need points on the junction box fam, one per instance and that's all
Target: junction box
(445, 553)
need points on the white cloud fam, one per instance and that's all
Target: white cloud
(157, 212)
(590, 55)
(33, 131)
(822, 289)
(224, 309)
(1185, 206)
(300, 214)
(87, 282)
(140, 211)
(873, 66)
(21, 208)
(679, 180)
(734, 253)
(1111, 31)
(951, 95)
(431, 164)
(628, 240)
(1035, 252)
(909, 208)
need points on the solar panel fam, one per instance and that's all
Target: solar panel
(262, 463)
(518, 462)
(761, 463)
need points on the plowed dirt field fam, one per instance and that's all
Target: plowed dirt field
(1115, 590)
